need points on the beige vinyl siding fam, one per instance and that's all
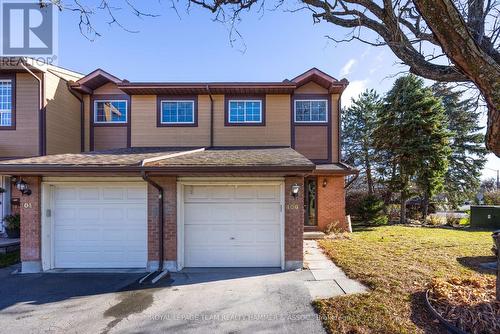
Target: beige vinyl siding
(146, 133)
(109, 88)
(311, 88)
(63, 117)
(86, 122)
(312, 141)
(276, 132)
(335, 128)
(24, 140)
(110, 137)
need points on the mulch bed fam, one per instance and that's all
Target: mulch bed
(467, 303)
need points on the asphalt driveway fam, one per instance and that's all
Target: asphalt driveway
(193, 301)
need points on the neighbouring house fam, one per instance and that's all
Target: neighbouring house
(39, 115)
(174, 175)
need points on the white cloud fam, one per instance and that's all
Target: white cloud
(346, 69)
(352, 91)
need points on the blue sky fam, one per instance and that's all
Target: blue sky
(274, 46)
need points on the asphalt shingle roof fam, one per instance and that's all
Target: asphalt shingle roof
(171, 158)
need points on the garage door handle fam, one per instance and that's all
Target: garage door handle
(232, 238)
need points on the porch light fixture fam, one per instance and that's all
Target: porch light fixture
(295, 190)
(325, 182)
(23, 187)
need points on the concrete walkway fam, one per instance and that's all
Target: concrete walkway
(329, 280)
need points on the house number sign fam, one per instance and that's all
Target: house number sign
(292, 206)
(27, 205)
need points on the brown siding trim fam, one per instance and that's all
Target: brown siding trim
(12, 77)
(110, 97)
(327, 124)
(261, 98)
(160, 98)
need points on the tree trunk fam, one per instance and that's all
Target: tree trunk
(402, 212)
(457, 42)
(369, 178)
(425, 206)
(496, 237)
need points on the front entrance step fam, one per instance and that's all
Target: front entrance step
(314, 235)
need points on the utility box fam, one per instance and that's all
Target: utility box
(485, 216)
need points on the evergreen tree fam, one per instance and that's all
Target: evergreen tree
(463, 178)
(358, 124)
(412, 130)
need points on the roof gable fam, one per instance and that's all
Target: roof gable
(95, 80)
(319, 77)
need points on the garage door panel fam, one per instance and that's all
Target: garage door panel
(232, 226)
(105, 226)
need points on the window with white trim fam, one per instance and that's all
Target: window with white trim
(177, 112)
(311, 111)
(110, 111)
(5, 103)
(245, 111)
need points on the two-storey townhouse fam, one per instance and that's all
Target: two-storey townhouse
(39, 115)
(176, 175)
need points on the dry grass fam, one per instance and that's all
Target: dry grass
(397, 263)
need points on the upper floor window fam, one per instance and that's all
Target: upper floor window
(110, 111)
(245, 111)
(5, 102)
(311, 111)
(177, 112)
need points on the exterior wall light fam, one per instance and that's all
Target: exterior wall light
(295, 190)
(23, 187)
(325, 182)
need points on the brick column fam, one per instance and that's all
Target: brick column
(31, 228)
(294, 224)
(331, 202)
(169, 184)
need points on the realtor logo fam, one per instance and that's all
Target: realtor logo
(28, 29)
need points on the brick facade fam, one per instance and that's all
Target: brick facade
(31, 227)
(169, 184)
(294, 223)
(331, 202)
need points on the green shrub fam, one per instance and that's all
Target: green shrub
(12, 222)
(371, 210)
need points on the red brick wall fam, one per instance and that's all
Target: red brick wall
(294, 220)
(169, 184)
(331, 201)
(14, 209)
(31, 228)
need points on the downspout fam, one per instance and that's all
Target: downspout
(82, 116)
(41, 113)
(211, 116)
(352, 180)
(146, 178)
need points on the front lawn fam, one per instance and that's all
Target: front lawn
(396, 263)
(9, 259)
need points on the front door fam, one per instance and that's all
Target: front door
(310, 202)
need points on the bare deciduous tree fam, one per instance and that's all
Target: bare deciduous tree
(442, 40)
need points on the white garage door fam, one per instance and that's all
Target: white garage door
(232, 226)
(97, 225)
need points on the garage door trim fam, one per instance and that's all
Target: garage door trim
(182, 182)
(47, 210)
